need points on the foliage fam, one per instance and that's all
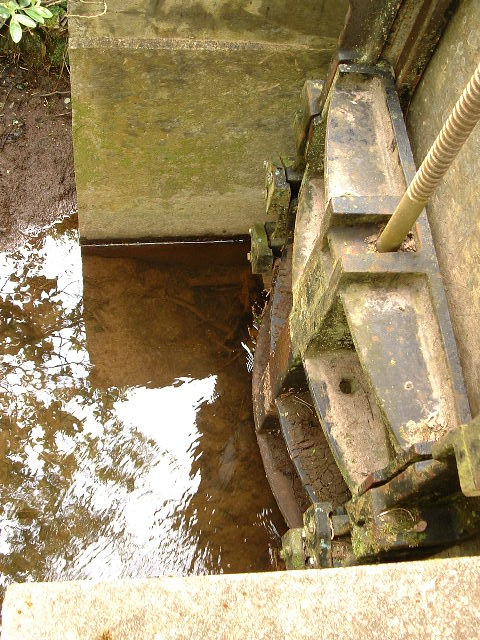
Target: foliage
(22, 13)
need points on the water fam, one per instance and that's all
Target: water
(127, 446)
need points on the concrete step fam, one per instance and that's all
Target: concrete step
(432, 599)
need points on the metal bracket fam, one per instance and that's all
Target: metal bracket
(292, 552)
(318, 535)
(320, 541)
(418, 509)
(277, 191)
(310, 547)
(310, 107)
(281, 185)
(261, 256)
(463, 443)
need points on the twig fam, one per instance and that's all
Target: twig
(384, 513)
(229, 362)
(65, 63)
(7, 95)
(305, 403)
(193, 309)
(52, 93)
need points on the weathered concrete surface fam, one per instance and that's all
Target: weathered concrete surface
(453, 211)
(436, 599)
(177, 104)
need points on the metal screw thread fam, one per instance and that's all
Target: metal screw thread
(455, 131)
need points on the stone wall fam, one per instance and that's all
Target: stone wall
(454, 209)
(178, 103)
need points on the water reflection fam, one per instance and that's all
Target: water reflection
(126, 446)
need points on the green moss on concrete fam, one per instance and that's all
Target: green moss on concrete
(303, 24)
(178, 138)
(179, 105)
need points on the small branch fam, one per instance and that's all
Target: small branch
(7, 96)
(52, 93)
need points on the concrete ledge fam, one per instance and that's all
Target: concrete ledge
(424, 599)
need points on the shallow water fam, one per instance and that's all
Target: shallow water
(127, 446)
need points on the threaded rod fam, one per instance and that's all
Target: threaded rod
(448, 143)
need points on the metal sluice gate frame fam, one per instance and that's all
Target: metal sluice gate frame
(361, 413)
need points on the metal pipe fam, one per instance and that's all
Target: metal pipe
(448, 143)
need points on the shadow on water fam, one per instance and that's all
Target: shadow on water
(127, 446)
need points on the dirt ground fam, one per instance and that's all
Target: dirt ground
(37, 180)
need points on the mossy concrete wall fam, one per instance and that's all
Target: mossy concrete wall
(177, 103)
(454, 209)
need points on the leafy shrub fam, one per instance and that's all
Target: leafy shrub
(22, 13)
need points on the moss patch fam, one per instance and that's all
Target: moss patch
(46, 45)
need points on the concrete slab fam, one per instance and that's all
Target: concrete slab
(177, 104)
(435, 599)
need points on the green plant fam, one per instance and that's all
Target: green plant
(22, 13)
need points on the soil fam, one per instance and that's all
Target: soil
(37, 182)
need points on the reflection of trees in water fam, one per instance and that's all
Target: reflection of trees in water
(55, 424)
(72, 472)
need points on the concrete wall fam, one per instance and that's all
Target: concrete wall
(454, 210)
(177, 103)
(423, 600)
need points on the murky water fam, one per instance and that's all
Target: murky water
(127, 446)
